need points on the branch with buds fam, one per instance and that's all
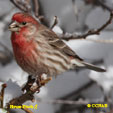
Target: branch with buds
(30, 89)
(101, 3)
(2, 95)
(55, 22)
(24, 6)
(29, 95)
(90, 32)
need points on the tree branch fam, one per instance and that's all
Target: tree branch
(20, 5)
(99, 41)
(55, 22)
(36, 5)
(71, 102)
(99, 3)
(30, 90)
(2, 95)
(27, 5)
(90, 32)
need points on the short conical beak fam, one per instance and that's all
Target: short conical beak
(13, 26)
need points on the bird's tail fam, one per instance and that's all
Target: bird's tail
(83, 64)
(93, 67)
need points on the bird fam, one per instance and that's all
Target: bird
(38, 50)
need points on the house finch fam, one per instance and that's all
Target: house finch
(38, 50)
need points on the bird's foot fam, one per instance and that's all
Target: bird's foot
(34, 84)
(29, 83)
(39, 83)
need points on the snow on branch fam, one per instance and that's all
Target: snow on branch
(90, 32)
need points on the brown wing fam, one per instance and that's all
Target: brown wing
(57, 43)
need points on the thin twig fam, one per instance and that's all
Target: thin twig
(19, 5)
(99, 41)
(27, 5)
(90, 32)
(104, 5)
(55, 22)
(36, 3)
(71, 102)
(101, 3)
(2, 95)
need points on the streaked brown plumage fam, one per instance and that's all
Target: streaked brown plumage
(39, 50)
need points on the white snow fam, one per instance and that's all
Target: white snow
(105, 80)
(3, 111)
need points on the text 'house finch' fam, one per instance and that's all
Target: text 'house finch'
(38, 50)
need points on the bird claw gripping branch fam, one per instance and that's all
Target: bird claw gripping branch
(40, 81)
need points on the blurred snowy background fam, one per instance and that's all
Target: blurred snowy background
(73, 16)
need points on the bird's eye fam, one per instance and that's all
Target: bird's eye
(24, 23)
